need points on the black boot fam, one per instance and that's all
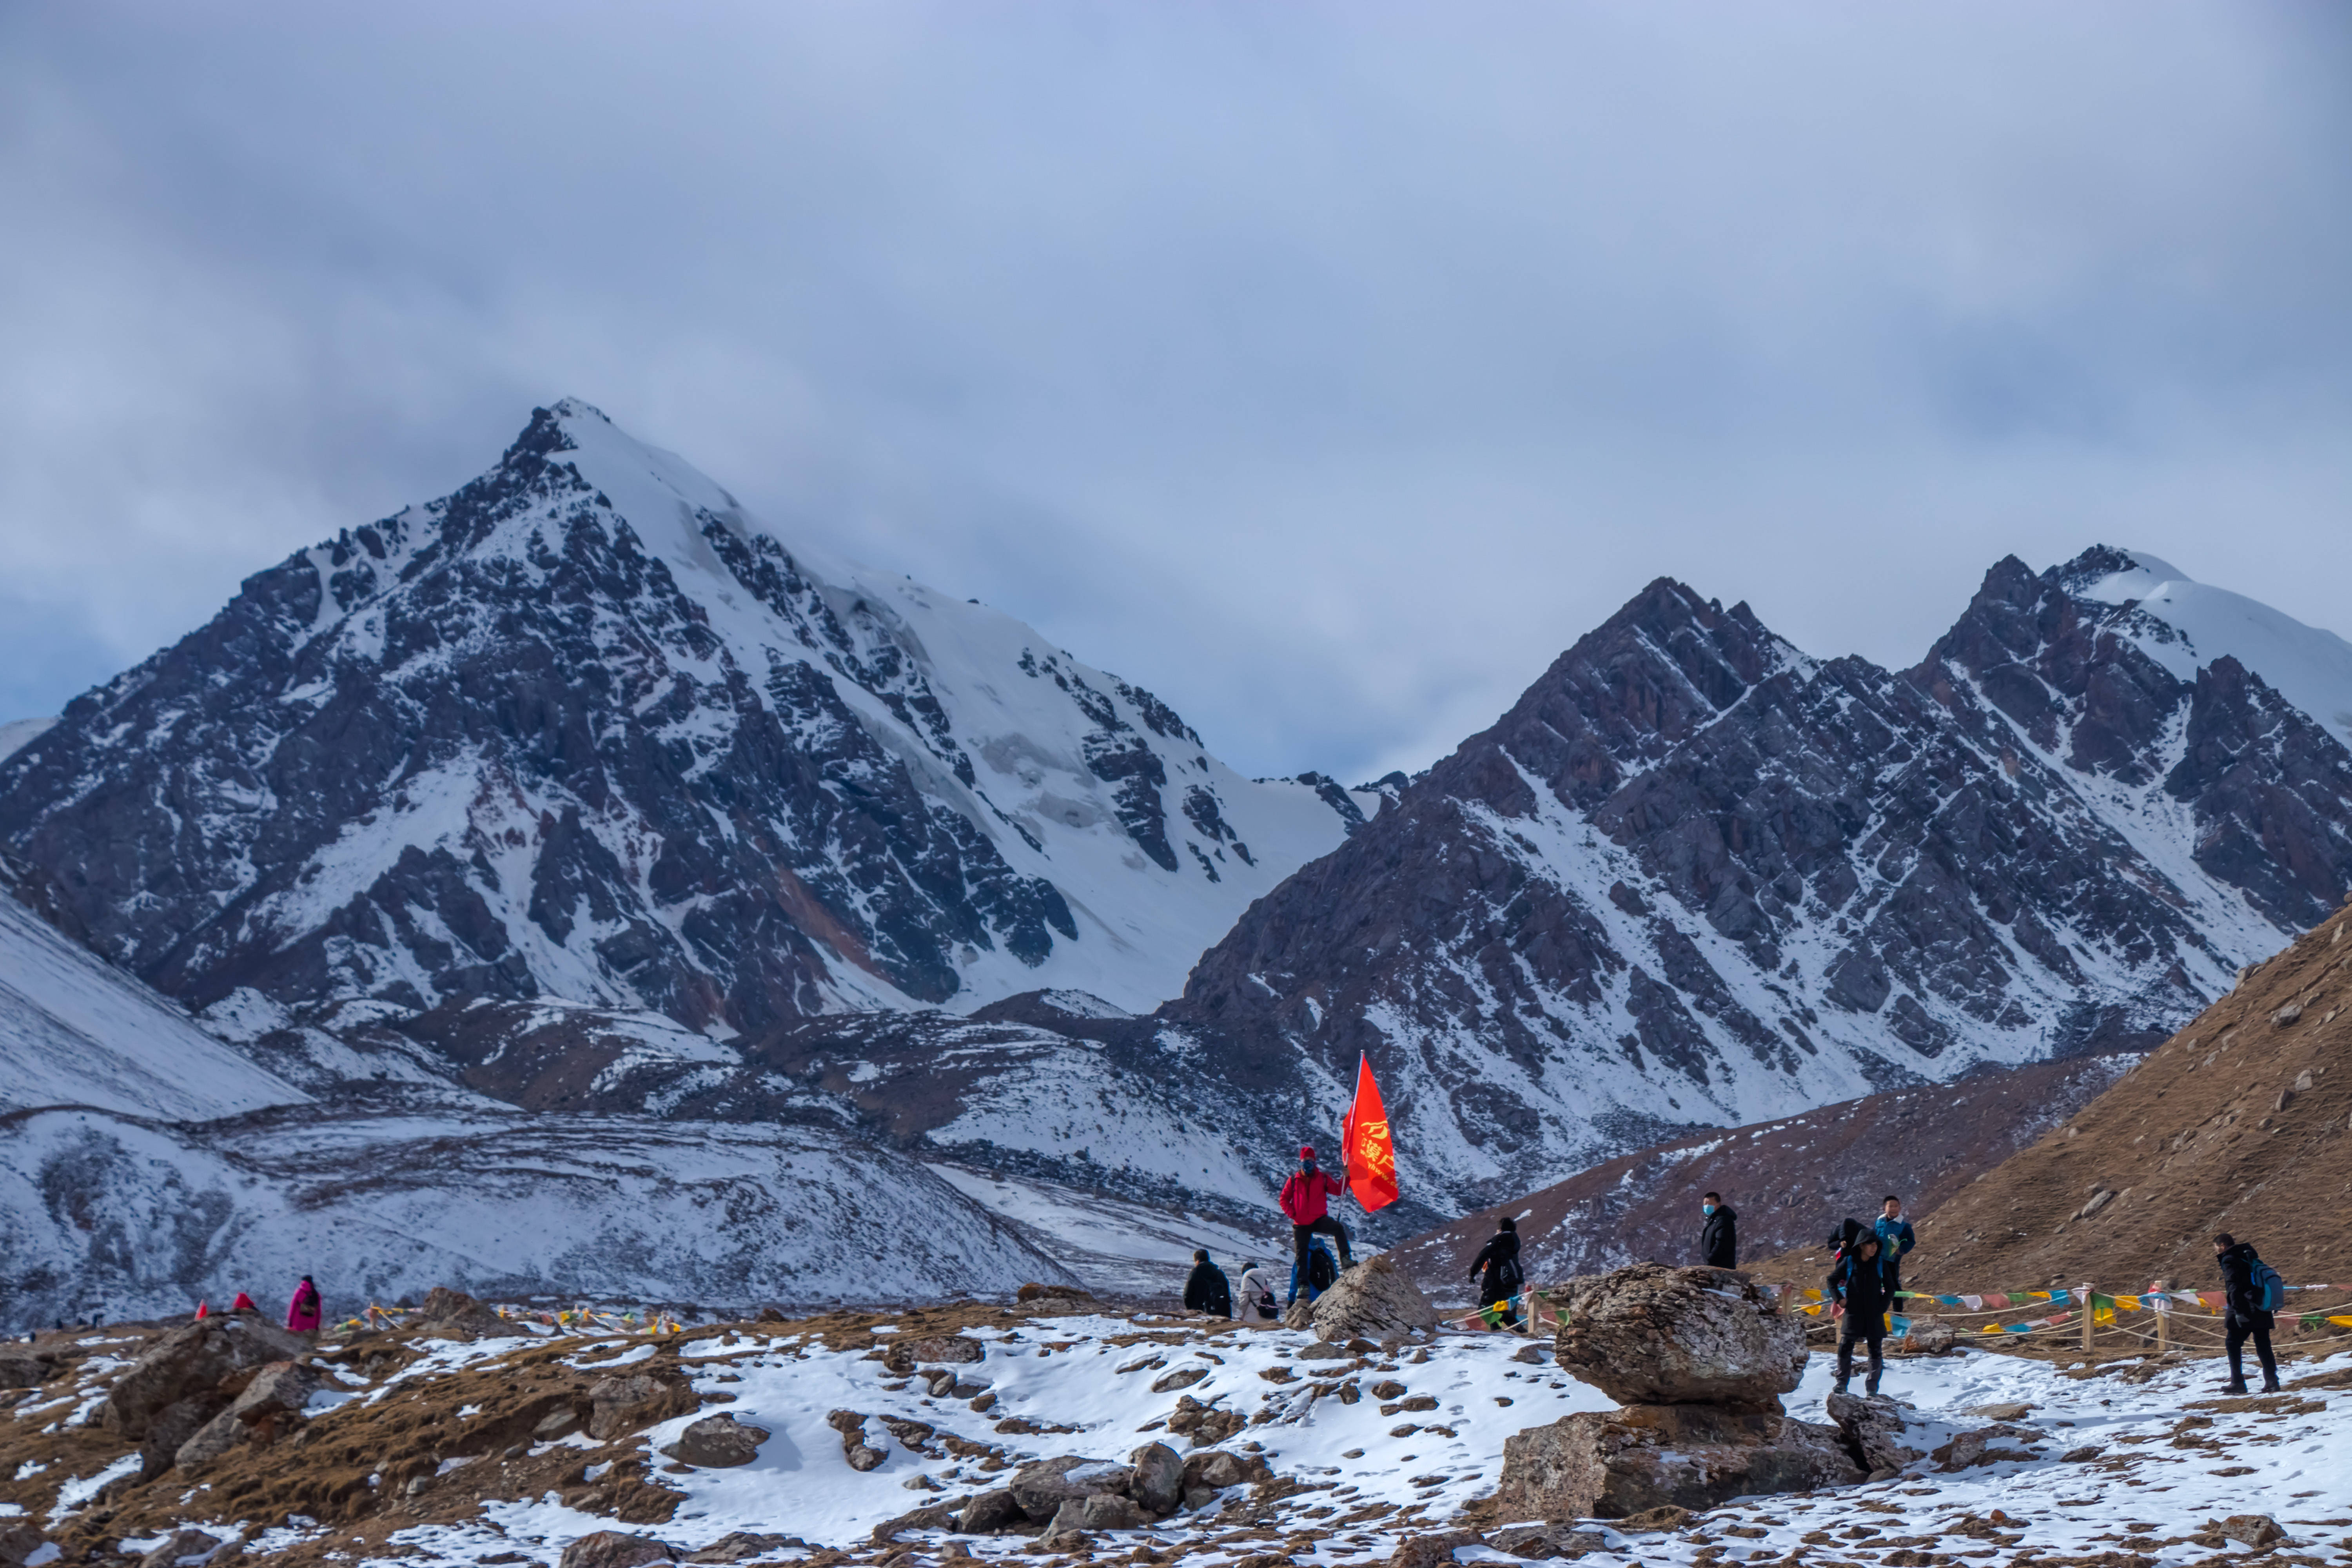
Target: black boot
(2270, 1383)
(2236, 1385)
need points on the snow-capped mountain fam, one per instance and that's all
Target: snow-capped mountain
(1696, 876)
(584, 729)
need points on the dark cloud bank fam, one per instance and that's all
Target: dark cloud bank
(1326, 368)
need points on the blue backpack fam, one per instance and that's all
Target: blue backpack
(2269, 1290)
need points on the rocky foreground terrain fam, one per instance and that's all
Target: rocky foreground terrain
(1052, 1429)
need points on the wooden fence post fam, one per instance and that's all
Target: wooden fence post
(2090, 1319)
(2163, 1317)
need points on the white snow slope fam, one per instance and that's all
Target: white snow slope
(2189, 624)
(76, 1031)
(135, 1218)
(18, 732)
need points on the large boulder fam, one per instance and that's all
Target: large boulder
(19, 1541)
(1158, 1485)
(1612, 1464)
(1649, 1334)
(865, 1441)
(1043, 1487)
(945, 1349)
(276, 1396)
(718, 1442)
(192, 1362)
(23, 1366)
(449, 1314)
(617, 1549)
(1103, 1510)
(1373, 1300)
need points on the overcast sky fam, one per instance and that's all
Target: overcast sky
(1326, 368)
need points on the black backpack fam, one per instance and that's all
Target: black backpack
(1322, 1272)
(1509, 1275)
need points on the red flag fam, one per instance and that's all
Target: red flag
(1364, 1143)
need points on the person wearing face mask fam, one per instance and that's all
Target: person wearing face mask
(1306, 1198)
(1718, 1239)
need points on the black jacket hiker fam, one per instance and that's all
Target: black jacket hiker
(1208, 1291)
(1718, 1239)
(1499, 1259)
(1861, 1284)
(2243, 1318)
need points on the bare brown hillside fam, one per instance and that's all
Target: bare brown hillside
(1790, 1179)
(2240, 1123)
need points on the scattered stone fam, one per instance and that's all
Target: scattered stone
(1533, 1356)
(949, 1350)
(620, 1405)
(718, 1442)
(1103, 1510)
(1650, 1335)
(1206, 1425)
(615, 1549)
(990, 1513)
(181, 1546)
(2082, 1456)
(1874, 1426)
(1927, 1336)
(1215, 1469)
(2012, 1412)
(19, 1541)
(1183, 1377)
(862, 1454)
(742, 1543)
(767, 1315)
(2255, 1530)
(1432, 1550)
(1159, 1477)
(1546, 1540)
(1982, 1446)
(560, 1422)
(930, 1516)
(1652, 1519)
(1036, 1292)
(1613, 1463)
(22, 1366)
(277, 1393)
(1323, 1349)
(1372, 1301)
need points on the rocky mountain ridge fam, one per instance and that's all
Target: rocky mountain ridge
(584, 728)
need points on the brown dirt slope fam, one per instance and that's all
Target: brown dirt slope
(1789, 1181)
(2240, 1123)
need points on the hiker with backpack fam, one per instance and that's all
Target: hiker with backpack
(1718, 1239)
(1208, 1291)
(2253, 1291)
(1306, 1198)
(1861, 1300)
(1499, 1259)
(1258, 1294)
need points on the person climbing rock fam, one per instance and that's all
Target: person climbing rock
(2247, 1314)
(1306, 1198)
(1499, 1260)
(1895, 1239)
(1858, 1286)
(1258, 1294)
(1719, 1238)
(303, 1311)
(1208, 1291)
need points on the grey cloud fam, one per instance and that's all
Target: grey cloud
(1323, 368)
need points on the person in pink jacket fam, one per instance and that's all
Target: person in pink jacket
(302, 1313)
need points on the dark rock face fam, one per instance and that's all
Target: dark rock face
(578, 731)
(1695, 877)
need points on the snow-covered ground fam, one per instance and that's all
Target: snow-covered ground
(2137, 1467)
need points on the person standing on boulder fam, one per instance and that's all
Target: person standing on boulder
(1858, 1287)
(1306, 1198)
(1208, 1291)
(2247, 1314)
(1504, 1277)
(1718, 1239)
(1895, 1239)
(302, 1313)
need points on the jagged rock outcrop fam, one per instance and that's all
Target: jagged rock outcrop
(1374, 1300)
(1612, 1464)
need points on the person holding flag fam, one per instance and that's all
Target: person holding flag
(1306, 1198)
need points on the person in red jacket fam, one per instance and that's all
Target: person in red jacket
(1306, 1197)
(302, 1313)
